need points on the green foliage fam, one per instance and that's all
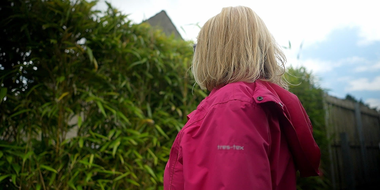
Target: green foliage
(121, 88)
(353, 99)
(303, 84)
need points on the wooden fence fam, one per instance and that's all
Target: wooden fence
(354, 130)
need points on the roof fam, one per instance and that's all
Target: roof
(162, 21)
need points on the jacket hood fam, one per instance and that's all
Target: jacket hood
(296, 126)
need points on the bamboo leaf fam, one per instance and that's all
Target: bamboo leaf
(81, 143)
(71, 184)
(134, 53)
(104, 147)
(13, 176)
(133, 132)
(117, 134)
(109, 108)
(26, 156)
(149, 110)
(111, 133)
(154, 156)
(121, 159)
(91, 159)
(52, 179)
(9, 159)
(204, 95)
(50, 25)
(153, 180)
(61, 79)
(79, 121)
(100, 183)
(63, 95)
(115, 146)
(48, 168)
(88, 176)
(11, 147)
(137, 154)
(122, 176)
(98, 135)
(91, 57)
(168, 80)
(123, 117)
(101, 108)
(110, 172)
(149, 170)
(95, 65)
(89, 53)
(132, 141)
(133, 182)
(3, 93)
(2, 177)
(73, 160)
(137, 63)
(17, 168)
(20, 112)
(161, 131)
(112, 94)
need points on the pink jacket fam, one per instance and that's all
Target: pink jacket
(243, 136)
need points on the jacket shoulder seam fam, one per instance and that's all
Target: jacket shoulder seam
(253, 103)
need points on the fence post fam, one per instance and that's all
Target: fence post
(363, 149)
(326, 107)
(347, 162)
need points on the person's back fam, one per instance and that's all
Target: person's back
(249, 133)
(240, 147)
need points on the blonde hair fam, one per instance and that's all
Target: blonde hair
(233, 46)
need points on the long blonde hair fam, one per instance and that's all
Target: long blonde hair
(233, 46)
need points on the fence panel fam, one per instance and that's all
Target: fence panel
(354, 130)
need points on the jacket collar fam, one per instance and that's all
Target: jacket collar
(263, 92)
(268, 92)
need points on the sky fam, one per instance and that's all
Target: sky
(340, 39)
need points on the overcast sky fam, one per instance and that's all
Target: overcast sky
(341, 39)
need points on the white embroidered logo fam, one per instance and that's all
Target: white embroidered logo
(230, 147)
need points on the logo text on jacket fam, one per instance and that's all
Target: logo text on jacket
(230, 147)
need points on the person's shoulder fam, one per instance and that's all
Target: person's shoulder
(238, 91)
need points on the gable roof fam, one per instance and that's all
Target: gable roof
(162, 21)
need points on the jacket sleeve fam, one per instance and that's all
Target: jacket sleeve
(228, 149)
(299, 135)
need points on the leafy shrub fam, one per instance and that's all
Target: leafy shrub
(304, 85)
(121, 87)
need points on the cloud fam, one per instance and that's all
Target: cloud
(322, 66)
(363, 64)
(373, 102)
(355, 59)
(319, 66)
(344, 79)
(368, 68)
(364, 84)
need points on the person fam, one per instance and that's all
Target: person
(249, 132)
